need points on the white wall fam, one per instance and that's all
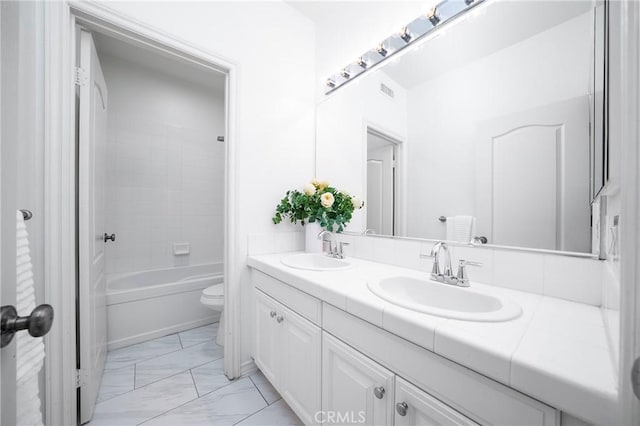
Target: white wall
(273, 47)
(165, 169)
(341, 134)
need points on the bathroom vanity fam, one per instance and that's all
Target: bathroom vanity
(331, 347)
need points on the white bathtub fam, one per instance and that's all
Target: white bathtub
(145, 305)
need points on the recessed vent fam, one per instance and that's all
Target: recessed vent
(386, 90)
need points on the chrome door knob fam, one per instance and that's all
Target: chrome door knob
(401, 408)
(108, 237)
(378, 392)
(272, 314)
(37, 324)
(280, 319)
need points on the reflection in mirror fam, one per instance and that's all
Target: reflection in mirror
(486, 126)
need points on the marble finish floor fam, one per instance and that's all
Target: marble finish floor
(179, 380)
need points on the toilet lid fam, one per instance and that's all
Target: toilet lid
(214, 291)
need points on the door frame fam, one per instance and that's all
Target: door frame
(61, 19)
(400, 211)
(625, 29)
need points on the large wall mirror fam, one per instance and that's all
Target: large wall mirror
(491, 130)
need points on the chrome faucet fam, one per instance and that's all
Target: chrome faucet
(446, 274)
(335, 250)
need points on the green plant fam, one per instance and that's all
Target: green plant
(318, 202)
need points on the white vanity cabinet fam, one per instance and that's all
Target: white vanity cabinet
(354, 386)
(362, 391)
(287, 350)
(326, 362)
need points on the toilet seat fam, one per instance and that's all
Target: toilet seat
(213, 296)
(215, 291)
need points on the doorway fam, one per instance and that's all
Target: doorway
(382, 182)
(151, 132)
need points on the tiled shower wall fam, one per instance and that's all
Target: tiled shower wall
(165, 169)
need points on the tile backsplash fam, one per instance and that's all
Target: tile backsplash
(571, 278)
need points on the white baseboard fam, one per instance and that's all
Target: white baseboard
(248, 367)
(143, 337)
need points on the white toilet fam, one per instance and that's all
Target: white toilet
(213, 297)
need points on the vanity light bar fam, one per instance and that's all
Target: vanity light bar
(410, 33)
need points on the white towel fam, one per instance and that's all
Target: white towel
(29, 350)
(460, 228)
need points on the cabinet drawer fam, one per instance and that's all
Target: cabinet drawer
(477, 397)
(302, 303)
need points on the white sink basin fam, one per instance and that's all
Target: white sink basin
(315, 262)
(444, 300)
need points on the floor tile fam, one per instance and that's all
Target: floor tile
(266, 389)
(116, 382)
(147, 402)
(226, 406)
(136, 353)
(198, 335)
(277, 413)
(163, 366)
(210, 376)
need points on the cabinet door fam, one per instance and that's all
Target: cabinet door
(416, 407)
(266, 338)
(355, 389)
(299, 354)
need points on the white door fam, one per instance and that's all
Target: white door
(415, 407)
(532, 181)
(21, 125)
(91, 188)
(354, 386)
(300, 364)
(8, 156)
(380, 185)
(264, 353)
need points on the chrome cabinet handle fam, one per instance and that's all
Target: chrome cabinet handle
(280, 319)
(379, 392)
(108, 237)
(37, 324)
(401, 408)
(272, 314)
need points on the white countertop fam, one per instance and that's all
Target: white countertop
(556, 351)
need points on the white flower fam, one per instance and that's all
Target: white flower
(357, 202)
(327, 200)
(345, 193)
(322, 184)
(309, 189)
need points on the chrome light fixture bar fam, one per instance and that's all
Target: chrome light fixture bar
(434, 19)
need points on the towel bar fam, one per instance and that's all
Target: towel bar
(442, 219)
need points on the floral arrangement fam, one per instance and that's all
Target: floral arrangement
(318, 202)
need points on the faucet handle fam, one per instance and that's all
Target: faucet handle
(341, 245)
(463, 262)
(463, 278)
